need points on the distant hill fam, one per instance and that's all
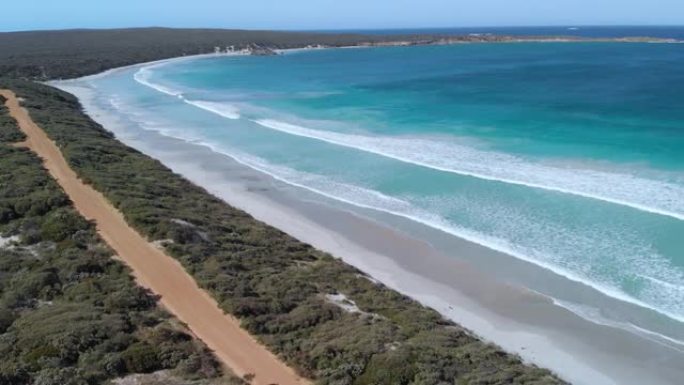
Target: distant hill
(75, 53)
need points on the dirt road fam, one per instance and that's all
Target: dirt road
(157, 271)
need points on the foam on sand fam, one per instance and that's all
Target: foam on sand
(594, 315)
(370, 199)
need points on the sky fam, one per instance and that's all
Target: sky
(333, 14)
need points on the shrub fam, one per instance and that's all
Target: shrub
(141, 358)
(68, 312)
(7, 317)
(390, 368)
(61, 224)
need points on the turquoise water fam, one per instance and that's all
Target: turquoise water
(569, 156)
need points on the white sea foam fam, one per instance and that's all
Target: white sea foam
(594, 315)
(649, 195)
(664, 283)
(654, 196)
(371, 199)
(143, 75)
(224, 109)
(374, 200)
(657, 197)
(145, 70)
(643, 194)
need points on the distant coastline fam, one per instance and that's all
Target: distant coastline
(257, 50)
(68, 54)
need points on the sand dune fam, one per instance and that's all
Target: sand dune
(157, 271)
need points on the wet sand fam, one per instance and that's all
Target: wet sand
(462, 280)
(157, 271)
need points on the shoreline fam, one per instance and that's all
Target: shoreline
(318, 224)
(144, 64)
(566, 274)
(448, 40)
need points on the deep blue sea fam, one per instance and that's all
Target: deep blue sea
(667, 32)
(569, 156)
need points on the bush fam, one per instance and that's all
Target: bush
(141, 358)
(390, 368)
(62, 224)
(65, 376)
(7, 317)
(9, 130)
(68, 312)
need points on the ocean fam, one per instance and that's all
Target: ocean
(595, 31)
(568, 156)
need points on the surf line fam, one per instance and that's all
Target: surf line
(312, 134)
(214, 107)
(489, 242)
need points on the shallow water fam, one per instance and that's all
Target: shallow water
(568, 156)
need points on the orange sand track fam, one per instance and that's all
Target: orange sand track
(157, 271)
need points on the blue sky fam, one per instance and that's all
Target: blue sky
(334, 14)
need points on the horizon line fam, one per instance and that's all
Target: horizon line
(352, 29)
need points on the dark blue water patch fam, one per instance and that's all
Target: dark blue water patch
(666, 32)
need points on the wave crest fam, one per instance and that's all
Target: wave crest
(143, 77)
(223, 109)
(648, 195)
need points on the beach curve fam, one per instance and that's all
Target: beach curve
(464, 160)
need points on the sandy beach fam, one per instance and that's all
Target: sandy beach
(443, 272)
(155, 270)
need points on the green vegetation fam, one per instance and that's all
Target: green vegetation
(74, 53)
(9, 130)
(69, 313)
(274, 284)
(42, 55)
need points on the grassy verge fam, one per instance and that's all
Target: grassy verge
(69, 313)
